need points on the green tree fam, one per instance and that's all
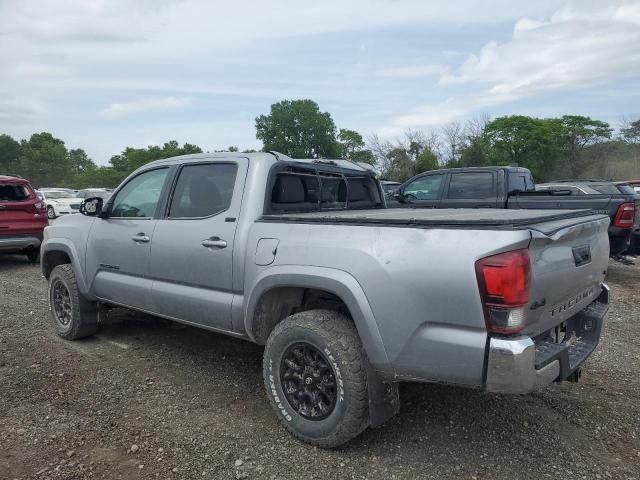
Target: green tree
(400, 165)
(426, 160)
(631, 132)
(525, 141)
(352, 147)
(133, 158)
(44, 160)
(9, 153)
(299, 129)
(578, 132)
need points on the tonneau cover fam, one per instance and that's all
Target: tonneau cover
(478, 218)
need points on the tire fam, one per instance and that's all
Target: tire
(334, 336)
(77, 318)
(51, 213)
(33, 255)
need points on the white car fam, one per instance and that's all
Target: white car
(60, 202)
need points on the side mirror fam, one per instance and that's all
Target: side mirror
(92, 207)
(398, 195)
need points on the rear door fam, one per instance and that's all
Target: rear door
(18, 213)
(424, 191)
(119, 247)
(192, 250)
(477, 189)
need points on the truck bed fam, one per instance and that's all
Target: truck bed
(546, 221)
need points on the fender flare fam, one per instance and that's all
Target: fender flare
(337, 282)
(66, 246)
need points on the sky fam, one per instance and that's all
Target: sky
(106, 74)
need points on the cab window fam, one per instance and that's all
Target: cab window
(203, 190)
(471, 185)
(139, 197)
(423, 188)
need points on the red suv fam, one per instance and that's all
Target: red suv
(23, 216)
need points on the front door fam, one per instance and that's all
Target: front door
(118, 249)
(424, 191)
(192, 250)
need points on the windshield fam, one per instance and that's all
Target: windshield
(54, 195)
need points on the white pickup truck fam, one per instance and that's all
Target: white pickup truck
(348, 297)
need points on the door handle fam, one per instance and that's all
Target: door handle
(214, 242)
(141, 238)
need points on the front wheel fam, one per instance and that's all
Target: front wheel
(73, 316)
(51, 213)
(315, 377)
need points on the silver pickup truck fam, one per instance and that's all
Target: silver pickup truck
(348, 297)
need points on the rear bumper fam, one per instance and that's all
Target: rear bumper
(19, 243)
(523, 364)
(618, 240)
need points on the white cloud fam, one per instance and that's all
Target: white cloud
(74, 66)
(146, 104)
(570, 50)
(416, 71)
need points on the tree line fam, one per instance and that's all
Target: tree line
(571, 146)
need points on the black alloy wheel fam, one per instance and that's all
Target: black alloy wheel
(308, 381)
(61, 303)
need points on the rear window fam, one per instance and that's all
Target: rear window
(306, 192)
(13, 192)
(471, 185)
(520, 182)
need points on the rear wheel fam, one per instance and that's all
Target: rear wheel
(51, 213)
(315, 377)
(72, 315)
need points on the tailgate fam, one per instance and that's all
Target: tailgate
(569, 260)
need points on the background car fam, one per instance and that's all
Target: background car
(389, 187)
(587, 187)
(103, 193)
(635, 184)
(59, 202)
(595, 187)
(22, 218)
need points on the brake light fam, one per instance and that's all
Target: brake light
(504, 281)
(41, 207)
(625, 215)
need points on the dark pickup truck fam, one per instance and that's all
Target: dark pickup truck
(514, 188)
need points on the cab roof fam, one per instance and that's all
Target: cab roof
(271, 157)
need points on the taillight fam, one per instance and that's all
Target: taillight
(504, 281)
(625, 215)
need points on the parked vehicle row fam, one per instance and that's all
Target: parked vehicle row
(348, 297)
(64, 201)
(514, 188)
(596, 187)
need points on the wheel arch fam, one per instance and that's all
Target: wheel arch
(280, 289)
(58, 252)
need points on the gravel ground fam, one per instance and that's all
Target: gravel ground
(142, 400)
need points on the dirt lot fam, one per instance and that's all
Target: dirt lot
(193, 405)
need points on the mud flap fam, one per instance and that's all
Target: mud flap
(384, 398)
